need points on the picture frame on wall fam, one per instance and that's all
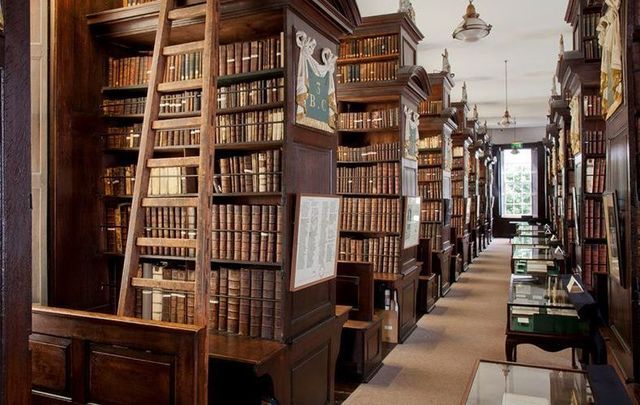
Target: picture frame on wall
(412, 222)
(316, 236)
(612, 228)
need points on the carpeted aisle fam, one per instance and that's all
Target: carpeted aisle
(434, 365)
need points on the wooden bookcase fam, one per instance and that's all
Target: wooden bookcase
(435, 162)
(474, 163)
(303, 343)
(461, 205)
(377, 165)
(485, 160)
(580, 79)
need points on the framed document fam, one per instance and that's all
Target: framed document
(315, 240)
(612, 228)
(412, 222)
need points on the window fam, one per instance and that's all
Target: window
(516, 198)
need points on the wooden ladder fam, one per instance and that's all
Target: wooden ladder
(148, 160)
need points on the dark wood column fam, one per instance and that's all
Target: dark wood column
(15, 212)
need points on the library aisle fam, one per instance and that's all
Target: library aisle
(434, 365)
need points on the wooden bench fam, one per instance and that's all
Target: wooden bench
(84, 357)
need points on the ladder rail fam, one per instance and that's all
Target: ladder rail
(126, 302)
(207, 153)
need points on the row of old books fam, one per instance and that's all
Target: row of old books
(252, 126)
(431, 232)
(185, 102)
(430, 190)
(247, 232)
(116, 227)
(367, 47)
(172, 181)
(430, 107)
(590, 24)
(252, 56)
(458, 152)
(431, 211)
(430, 142)
(458, 174)
(382, 252)
(251, 93)
(130, 71)
(430, 159)
(458, 207)
(457, 188)
(458, 223)
(127, 137)
(367, 72)
(594, 142)
(595, 175)
(119, 181)
(371, 214)
(129, 3)
(381, 178)
(592, 49)
(135, 70)
(429, 174)
(593, 220)
(255, 173)
(246, 302)
(165, 305)
(594, 258)
(380, 151)
(592, 106)
(377, 119)
(169, 222)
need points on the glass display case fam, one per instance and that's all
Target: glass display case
(539, 304)
(542, 241)
(532, 267)
(510, 384)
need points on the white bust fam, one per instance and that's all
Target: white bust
(465, 97)
(446, 66)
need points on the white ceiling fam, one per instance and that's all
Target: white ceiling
(526, 32)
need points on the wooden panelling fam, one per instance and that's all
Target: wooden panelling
(111, 371)
(50, 363)
(106, 359)
(307, 388)
(15, 213)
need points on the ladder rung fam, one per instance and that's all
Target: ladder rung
(190, 161)
(170, 202)
(187, 47)
(183, 13)
(167, 242)
(182, 85)
(178, 123)
(186, 286)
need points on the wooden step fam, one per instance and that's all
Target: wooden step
(175, 285)
(182, 85)
(167, 243)
(190, 161)
(187, 47)
(184, 13)
(177, 123)
(170, 202)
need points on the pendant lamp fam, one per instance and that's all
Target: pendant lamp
(507, 120)
(472, 28)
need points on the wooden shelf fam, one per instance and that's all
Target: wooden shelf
(247, 108)
(370, 162)
(371, 233)
(250, 76)
(381, 195)
(369, 130)
(368, 59)
(242, 349)
(252, 146)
